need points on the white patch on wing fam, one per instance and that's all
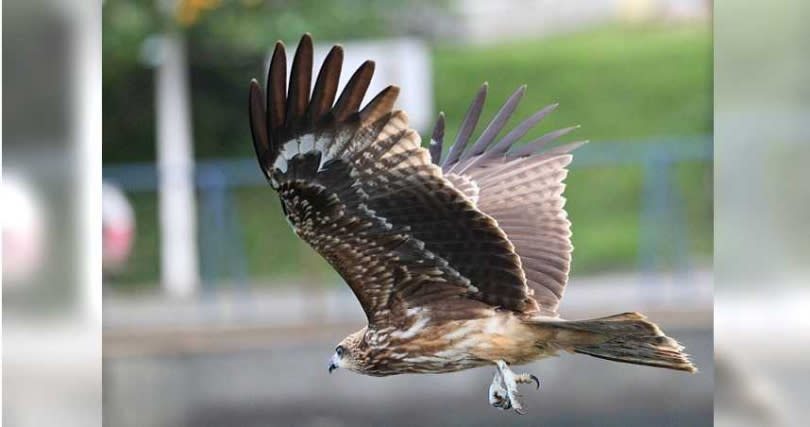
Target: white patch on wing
(280, 164)
(460, 331)
(303, 144)
(322, 145)
(290, 148)
(413, 330)
(493, 325)
(414, 311)
(306, 143)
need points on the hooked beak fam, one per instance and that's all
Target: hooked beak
(333, 363)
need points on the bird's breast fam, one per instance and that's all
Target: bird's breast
(425, 347)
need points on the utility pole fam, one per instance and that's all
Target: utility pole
(175, 160)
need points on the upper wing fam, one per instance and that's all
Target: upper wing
(359, 188)
(520, 188)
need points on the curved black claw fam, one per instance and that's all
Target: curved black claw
(536, 380)
(502, 403)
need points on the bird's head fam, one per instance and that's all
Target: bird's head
(347, 353)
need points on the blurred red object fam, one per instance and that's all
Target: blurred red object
(118, 228)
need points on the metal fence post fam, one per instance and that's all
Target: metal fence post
(662, 234)
(212, 183)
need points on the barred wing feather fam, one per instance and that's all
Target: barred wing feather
(360, 189)
(521, 188)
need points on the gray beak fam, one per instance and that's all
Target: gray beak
(333, 363)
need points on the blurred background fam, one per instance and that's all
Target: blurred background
(218, 316)
(215, 313)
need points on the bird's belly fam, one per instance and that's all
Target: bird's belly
(465, 344)
(449, 360)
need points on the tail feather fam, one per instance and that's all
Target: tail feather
(627, 338)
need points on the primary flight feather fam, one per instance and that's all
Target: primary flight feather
(458, 262)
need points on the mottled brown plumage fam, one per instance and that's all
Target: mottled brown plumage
(456, 266)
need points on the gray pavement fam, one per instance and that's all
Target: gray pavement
(259, 359)
(289, 385)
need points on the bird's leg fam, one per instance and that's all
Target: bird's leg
(510, 380)
(497, 393)
(511, 386)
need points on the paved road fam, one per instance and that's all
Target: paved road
(259, 358)
(287, 384)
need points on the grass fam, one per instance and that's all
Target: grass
(618, 83)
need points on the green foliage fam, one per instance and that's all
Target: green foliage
(226, 48)
(619, 84)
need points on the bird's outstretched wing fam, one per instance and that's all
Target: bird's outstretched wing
(521, 188)
(360, 189)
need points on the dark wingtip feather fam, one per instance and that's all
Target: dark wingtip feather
(438, 129)
(382, 104)
(554, 151)
(277, 87)
(323, 95)
(496, 125)
(538, 143)
(300, 83)
(467, 126)
(353, 93)
(258, 122)
(519, 131)
(437, 139)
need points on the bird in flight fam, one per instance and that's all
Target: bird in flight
(458, 262)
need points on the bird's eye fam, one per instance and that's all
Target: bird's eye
(339, 350)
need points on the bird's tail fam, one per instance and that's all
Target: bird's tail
(628, 338)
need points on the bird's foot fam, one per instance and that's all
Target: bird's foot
(528, 379)
(503, 392)
(497, 394)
